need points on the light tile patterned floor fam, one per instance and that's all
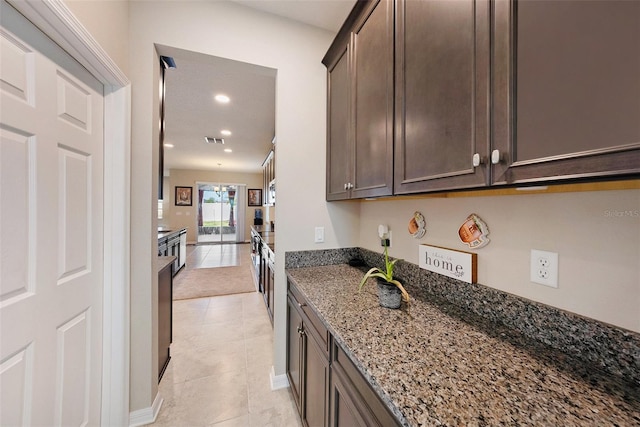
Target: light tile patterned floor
(221, 356)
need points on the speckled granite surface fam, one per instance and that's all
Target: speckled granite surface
(612, 349)
(437, 363)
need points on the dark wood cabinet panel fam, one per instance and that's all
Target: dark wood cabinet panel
(442, 94)
(372, 101)
(307, 363)
(344, 412)
(294, 352)
(316, 383)
(485, 93)
(338, 145)
(351, 391)
(165, 315)
(360, 105)
(566, 90)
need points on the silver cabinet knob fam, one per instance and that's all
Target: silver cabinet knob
(477, 160)
(346, 186)
(496, 157)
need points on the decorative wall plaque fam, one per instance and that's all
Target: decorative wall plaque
(417, 225)
(448, 262)
(473, 232)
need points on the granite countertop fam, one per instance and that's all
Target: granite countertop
(434, 363)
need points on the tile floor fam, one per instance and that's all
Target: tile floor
(221, 357)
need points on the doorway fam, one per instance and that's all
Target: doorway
(220, 212)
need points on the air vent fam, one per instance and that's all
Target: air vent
(212, 140)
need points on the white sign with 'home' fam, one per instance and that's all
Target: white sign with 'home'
(455, 264)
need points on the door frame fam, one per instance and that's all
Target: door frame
(57, 21)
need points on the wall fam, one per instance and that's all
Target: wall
(108, 23)
(186, 216)
(596, 234)
(241, 34)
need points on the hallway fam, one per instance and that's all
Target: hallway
(221, 357)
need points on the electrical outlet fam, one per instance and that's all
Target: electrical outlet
(319, 235)
(544, 268)
(387, 240)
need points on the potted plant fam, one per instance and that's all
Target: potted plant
(390, 291)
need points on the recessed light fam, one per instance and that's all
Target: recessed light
(225, 132)
(223, 99)
(168, 145)
(228, 150)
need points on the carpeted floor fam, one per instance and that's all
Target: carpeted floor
(209, 282)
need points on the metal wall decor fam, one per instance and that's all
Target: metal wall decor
(417, 225)
(473, 232)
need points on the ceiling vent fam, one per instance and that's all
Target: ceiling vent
(212, 140)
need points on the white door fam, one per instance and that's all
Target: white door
(51, 228)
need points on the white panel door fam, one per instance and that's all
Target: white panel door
(51, 213)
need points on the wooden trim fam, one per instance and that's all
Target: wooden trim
(633, 184)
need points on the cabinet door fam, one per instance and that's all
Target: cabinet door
(316, 381)
(344, 412)
(372, 102)
(294, 351)
(442, 94)
(338, 155)
(567, 89)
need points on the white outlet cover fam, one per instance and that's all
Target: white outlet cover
(319, 235)
(544, 268)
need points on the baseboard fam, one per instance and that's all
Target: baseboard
(278, 381)
(145, 416)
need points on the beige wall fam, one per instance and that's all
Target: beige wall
(108, 23)
(596, 234)
(186, 216)
(241, 34)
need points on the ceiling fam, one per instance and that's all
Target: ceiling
(191, 113)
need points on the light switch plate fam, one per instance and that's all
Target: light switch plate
(319, 235)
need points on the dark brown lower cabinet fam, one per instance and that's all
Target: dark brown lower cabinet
(165, 312)
(307, 367)
(328, 388)
(344, 410)
(352, 399)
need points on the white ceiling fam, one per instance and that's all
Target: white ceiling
(191, 112)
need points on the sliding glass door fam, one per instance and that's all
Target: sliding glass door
(220, 214)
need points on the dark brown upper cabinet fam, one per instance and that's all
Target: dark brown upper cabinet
(485, 93)
(442, 95)
(360, 104)
(566, 90)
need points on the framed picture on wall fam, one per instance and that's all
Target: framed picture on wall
(184, 196)
(254, 197)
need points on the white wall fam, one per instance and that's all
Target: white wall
(596, 234)
(242, 34)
